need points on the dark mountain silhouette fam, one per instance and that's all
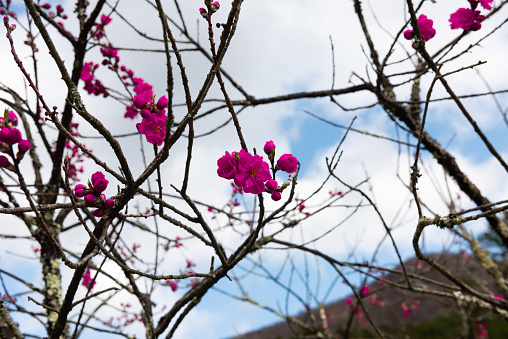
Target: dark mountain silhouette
(398, 311)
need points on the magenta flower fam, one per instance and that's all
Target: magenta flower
(252, 173)
(365, 290)
(87, 280)
(486, 4)
(226, 166)
(269, 147)
(105, 19)
(86, 72)
(287, 163)
(141, 86)
(142, 99)
(131, 112)
(425, 26)
(153, 126)
(96, 176)
(466, 18)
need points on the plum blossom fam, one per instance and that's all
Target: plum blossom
(466, 18)
(253, 173)
(425, 26)
(88, 281)
(153, 126)
(226, 166)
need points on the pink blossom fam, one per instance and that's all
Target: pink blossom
(466, 18)
(154, 127)
(349, 300)
(425, 26)
(365, 290)
(96, 176)
(87, 280)
(498, 297)
(141, 86)
(486, 4)
(269, 147)
(131, 112)
(143, 98)
(105, 19)
(252, 174)
(287, 163)
(100, 185)
(226, 166)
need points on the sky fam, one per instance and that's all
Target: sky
(283, 47)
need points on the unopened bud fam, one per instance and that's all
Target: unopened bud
(215, 6)
(203, 12)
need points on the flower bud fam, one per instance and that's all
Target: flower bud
(24, 145)
(203, 12)
(80, 190)
(10, 136)
(46, 6)
(276, 196)
(4, 162)
(100, 185)
(90, 199)
(215, 6)
(271, 185)
(109, 203)
(96, 176)
(98, 213)
(269, 147)
(163, 102)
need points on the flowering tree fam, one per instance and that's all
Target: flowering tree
(106, 223)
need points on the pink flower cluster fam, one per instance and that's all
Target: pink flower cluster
(426, 29)
(252, 174)
(153, 125)
(93, 193)
(92, 85)
(407, 307)
(99, 33)
(111, 57)
(88, 281)
(9, 136)
(469, 18)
